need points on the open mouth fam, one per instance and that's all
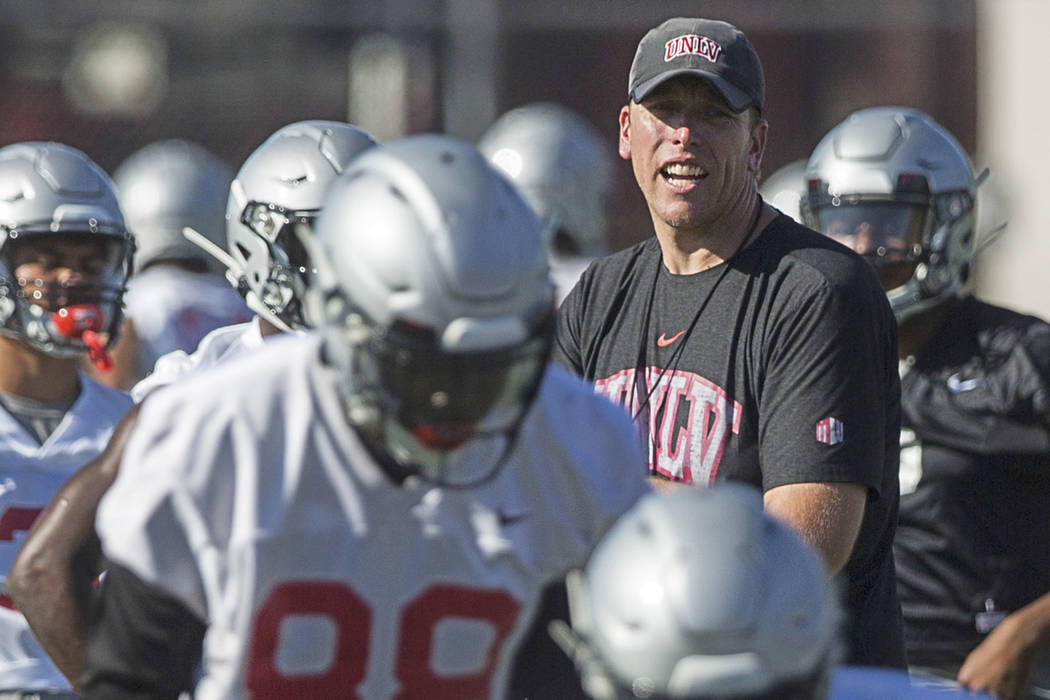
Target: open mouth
(682, 174)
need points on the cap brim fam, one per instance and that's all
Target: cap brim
(737, 100)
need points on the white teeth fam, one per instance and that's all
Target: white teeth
(684, 170)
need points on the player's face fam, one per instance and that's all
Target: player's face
(52, 269)
(887, 234)
(693, 157)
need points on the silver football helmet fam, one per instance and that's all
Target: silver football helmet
(431, 267)
(166, 186)
(279, 187)
(895, 186)
(65, 254)
(698, 593)
(785, 188)
(564, 168)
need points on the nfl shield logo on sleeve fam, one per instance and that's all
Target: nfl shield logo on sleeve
(829, 431)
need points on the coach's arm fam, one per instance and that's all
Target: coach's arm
(828, 515)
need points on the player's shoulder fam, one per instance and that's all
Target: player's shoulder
(229, 338)
(251, 379)
(1007, 327)
(568, 407)
(218, 346)
(1015, 348)
(560, 385)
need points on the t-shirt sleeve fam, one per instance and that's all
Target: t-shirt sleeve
(566, 347)
(828, 385)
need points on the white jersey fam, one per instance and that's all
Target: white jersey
(30, 477)
(246, 495)
(172, 309)
(221, 345)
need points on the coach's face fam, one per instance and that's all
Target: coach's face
(693, 157)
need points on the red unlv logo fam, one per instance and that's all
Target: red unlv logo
(692, 44)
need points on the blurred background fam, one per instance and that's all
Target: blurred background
(112, 75)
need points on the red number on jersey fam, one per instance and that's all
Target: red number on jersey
(15, 519)
(334, 600)
(353, 620)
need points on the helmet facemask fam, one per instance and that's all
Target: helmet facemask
(919, 244)
(448, 416)
(62, 292)
(289, 266)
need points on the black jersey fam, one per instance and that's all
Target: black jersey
(973, 542)
(776, 367)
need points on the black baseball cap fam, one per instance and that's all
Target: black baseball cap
(710, 49)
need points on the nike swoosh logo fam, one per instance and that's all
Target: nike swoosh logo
(663, 341)
(957, 385)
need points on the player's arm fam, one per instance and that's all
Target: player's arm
(142, 643)
(52, 578)
(1002, 664)
(827, 515)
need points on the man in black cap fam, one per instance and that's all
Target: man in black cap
(746, 346)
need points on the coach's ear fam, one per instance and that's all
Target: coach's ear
(625, 132)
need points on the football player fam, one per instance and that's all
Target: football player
(972, 547)
(564, 168)
(369, 511)
(177, 294)
(280, 185)
(278, 188)
(785, 188)
(65, 255)
(664, 610)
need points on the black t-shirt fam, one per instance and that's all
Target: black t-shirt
(776, 367)
(973, 541)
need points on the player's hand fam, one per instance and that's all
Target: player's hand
(1002, 663)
